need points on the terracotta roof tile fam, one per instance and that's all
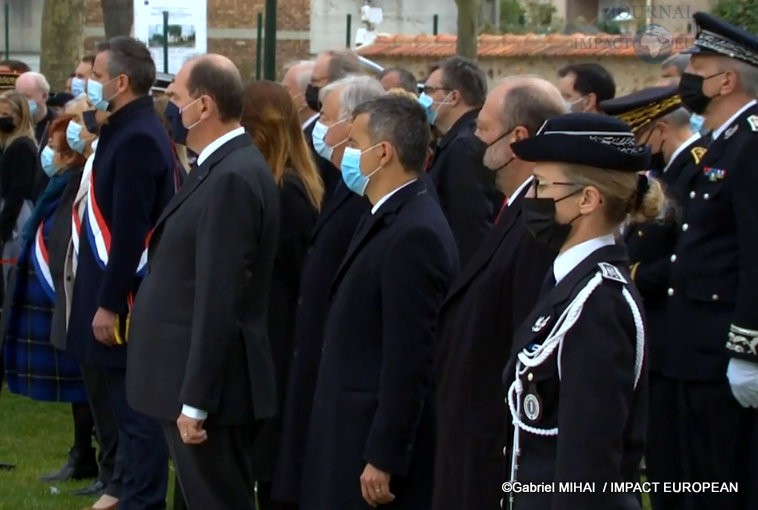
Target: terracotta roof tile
(512, 45)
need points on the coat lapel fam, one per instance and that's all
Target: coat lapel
(339, 197)
(490, 245)
(371, 223)
(198, 175)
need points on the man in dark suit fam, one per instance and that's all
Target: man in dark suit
(713, 340)
(371, 433)
(200, 357)
(329, 242)
(489, 300)
(131, 182)
(657, 119)
(454, 93)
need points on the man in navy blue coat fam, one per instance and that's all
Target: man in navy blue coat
(132, 180)
(371, 433)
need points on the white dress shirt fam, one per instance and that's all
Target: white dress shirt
(569, 259)
(519, 190)
(310, 121)
(717, 132)
(388, 195)
(218, 142)
(194, 413)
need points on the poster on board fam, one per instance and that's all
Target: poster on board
(187, 33)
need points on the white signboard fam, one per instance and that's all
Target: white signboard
(187, 29)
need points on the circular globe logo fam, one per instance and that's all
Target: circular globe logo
(653, 44)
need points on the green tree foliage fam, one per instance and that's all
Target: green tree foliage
(743, 13)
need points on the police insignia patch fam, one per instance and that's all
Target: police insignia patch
(729, 132)
(753, 121)
(611, 272)
(532, 407)
(540, 324)
(698, 153)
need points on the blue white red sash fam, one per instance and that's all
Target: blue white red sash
(98, 233)
(41, 261)
(76, 227)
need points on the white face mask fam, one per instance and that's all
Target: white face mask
(570, 104)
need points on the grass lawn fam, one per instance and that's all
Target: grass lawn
(36, 436)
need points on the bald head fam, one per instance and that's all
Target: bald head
(215, 76)
(528, 101)
(36, 89)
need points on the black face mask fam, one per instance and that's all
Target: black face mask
(90, 123)
(691, 92)
(6, 125)
(539, 219)
(311, 97)
(481, 148)
(176, 128)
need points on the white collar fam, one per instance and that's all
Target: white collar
(310, 121)
(679, 149)
(519, 190)
(218, 142)
(569, 259)
(388, 195)
(717, 132)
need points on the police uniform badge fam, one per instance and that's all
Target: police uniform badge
(729, 132)
(540, 324)
(698, 153)
(714, 174)
(753, 121)
(532, 405)
(611, 272)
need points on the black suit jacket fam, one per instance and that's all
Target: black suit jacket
(199, 333)
(466, 189)
(715, 277)
(600, 415)
(494, 293)
(373, 400)
(330, 240)
(651, 244)
(330, 174)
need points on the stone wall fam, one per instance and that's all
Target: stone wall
(630, 74)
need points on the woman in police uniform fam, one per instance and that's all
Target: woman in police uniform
(576, 380)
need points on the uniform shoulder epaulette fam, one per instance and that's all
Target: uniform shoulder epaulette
(611, 272)
(698, 153)
(753, 122)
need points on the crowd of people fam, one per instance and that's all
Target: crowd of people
(344, 291)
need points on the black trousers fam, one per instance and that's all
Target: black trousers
(698, 432)
(109, 458)
(217, 473)
(145, 458)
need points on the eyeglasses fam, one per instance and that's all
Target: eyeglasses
(429, 89)
(538, 184)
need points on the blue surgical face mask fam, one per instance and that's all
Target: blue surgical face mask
(355, 180)
(323, 149)
(33, 108)
(78, 86)
(696, 123)
(427, 102)
(95, 95)
(47, 159)
(177, 130)
(74, 137)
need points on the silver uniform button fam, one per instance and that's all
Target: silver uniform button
(693, 194)
(501, 502)
(706, 196)
(715, 297)
(670, 292)
(685, 227)
(505, 451)
(530, 377)
(673, 258)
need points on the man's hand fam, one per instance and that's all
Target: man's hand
(191, 430)
(104, 327)
(743, 378)
(375, 486)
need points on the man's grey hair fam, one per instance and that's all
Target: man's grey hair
(303, 73)
(342, 64)
(748, 74)
(353, 90)
(40, 81)
(530, 102)
(680, 61)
